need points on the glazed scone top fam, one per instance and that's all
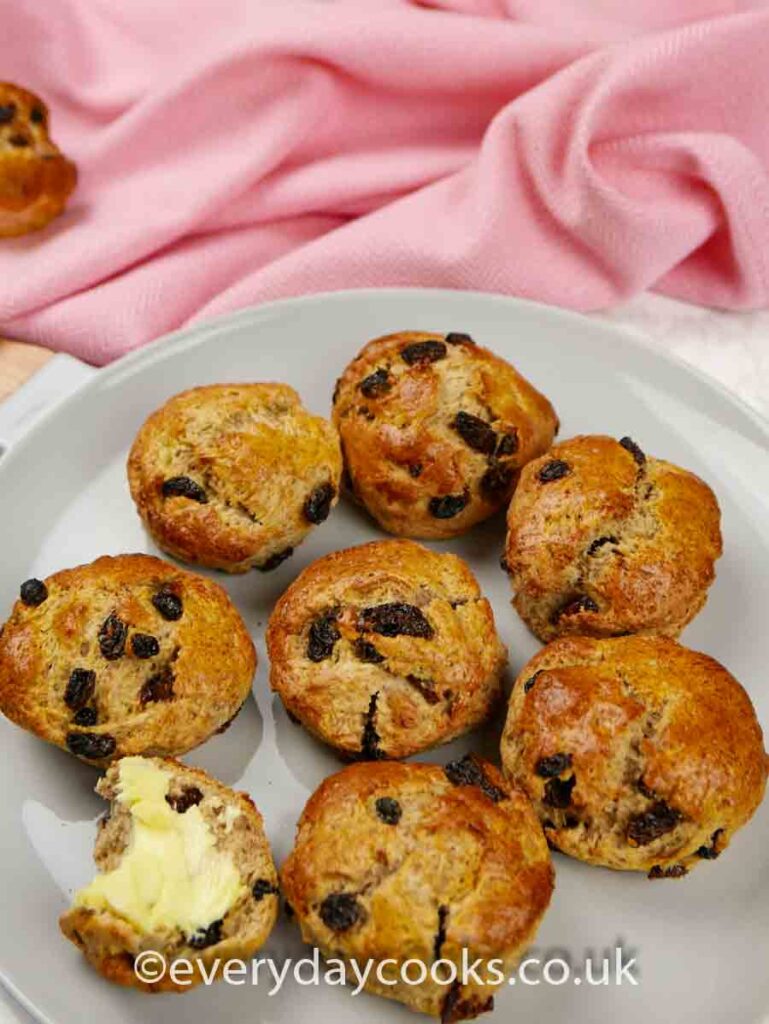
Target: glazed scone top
(414, 861)
(434, 430)
(636, 751)
(385, 649)
(126, 655)
(603, 540)
(234, 475)
(35, 179)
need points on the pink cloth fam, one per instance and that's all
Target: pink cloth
(234, 151)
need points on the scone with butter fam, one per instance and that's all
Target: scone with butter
(185, 870)
(234, 476)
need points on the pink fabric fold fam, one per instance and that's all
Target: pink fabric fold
(230, 153)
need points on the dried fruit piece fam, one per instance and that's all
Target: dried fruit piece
(456, 1009)
(80, 687)
(395, 619)
(37, 115)
(318, 504)
(468, 772)
(183, 487)
(190, 796)
(339, 911)
(558, 792)
(33, 592)
(262, 888)
(447, 506)
(423, 352)
(650, 825)
(583, 603)
(85, 717)
(168, 604)
(497, 480)
(93, 746)
(275, 560)
(388, 810)
(532, 680)
(144, 645)
(508, 444)
(205, 937)
(549, 767)
(158, 688)
(376, 384)
(556, 469)
(365, 651)
(475, 432)
(458, 338)
(630, 446)
(7, 113)
(715, 849)
(322, 637)
(425, 686)
(674, 871)
(600, 542)
(19, 140)
(112, 637)
(369, 744)
(440, 935)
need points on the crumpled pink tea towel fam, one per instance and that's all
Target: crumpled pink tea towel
(572, 151)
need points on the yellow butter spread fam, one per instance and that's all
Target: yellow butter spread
(171, 875)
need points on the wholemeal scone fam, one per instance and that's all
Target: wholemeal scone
(234, 476)
(435, 430)
(185, 870)
(35, 178)
(395, 862)
(126, 655)
(637, 753)
(386, 649)
(603, 540)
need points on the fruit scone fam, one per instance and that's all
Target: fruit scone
(412, 862)
(35, 178)
(234, 476)
(386, 649)
(638, 754)
(185, 870)
(435, 430)
(605, 540)
(126, 655)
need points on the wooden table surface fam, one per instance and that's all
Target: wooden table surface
(17, 362)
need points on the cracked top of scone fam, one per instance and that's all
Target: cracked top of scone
(35, 178)
(604, 540)
(385, 649)
(435, 429)
(209, 886)
(416, 861)
(638, 753)
(233, 476)
(126, 655)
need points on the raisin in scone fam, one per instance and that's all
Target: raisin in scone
(126, 655)
(637, 753)
(396, 862)
(386, 649)
(604, 540)
(435, 430)
(35, 178)
(185, 870)
(234, 476)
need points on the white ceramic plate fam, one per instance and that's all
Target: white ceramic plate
(701, 943)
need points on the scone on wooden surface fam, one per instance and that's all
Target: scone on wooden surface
(185, 870)
(396, 862)
(234, 476)
(604, 540)
(386, 649)
(126, 655)
(435, 430)
(35, 178)
(638, 754)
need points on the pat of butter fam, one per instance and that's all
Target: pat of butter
(171, 875)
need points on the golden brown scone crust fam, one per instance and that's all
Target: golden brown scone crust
(638, 753)
(427, 867)
(370, 694)
(603, 540)
(110, 943)
(265, 469)
(35, 178)
(435, 429)
(147, 703)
